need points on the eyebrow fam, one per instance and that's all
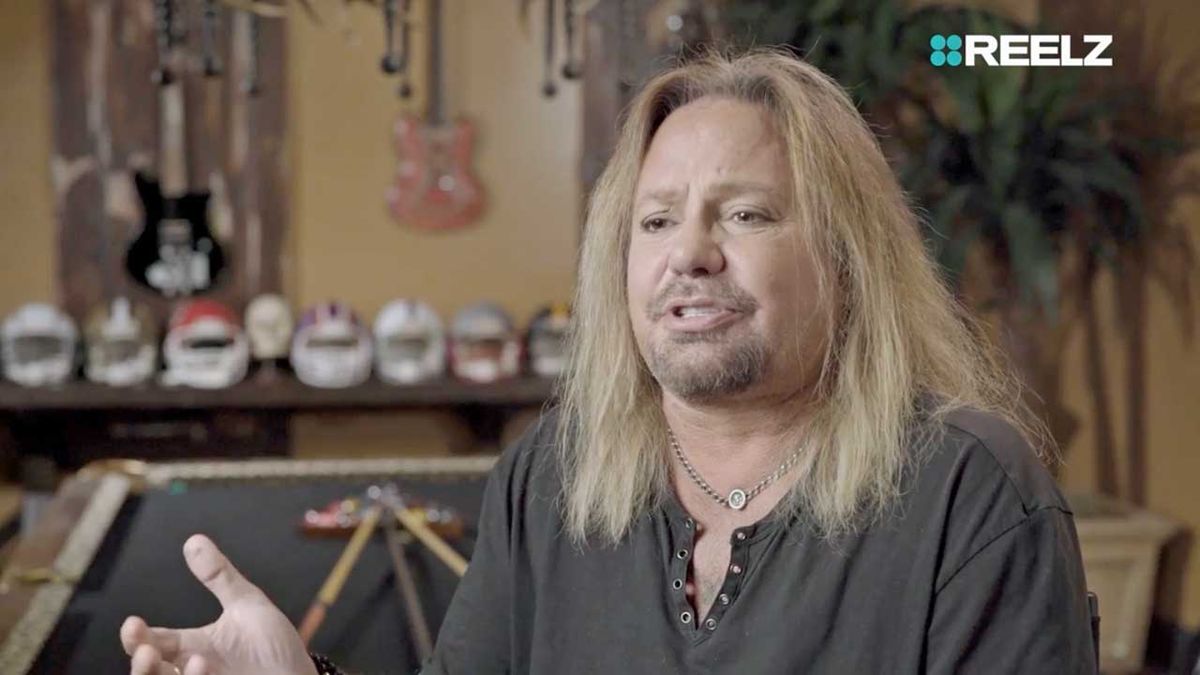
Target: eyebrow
(661, 196)
(740, 187)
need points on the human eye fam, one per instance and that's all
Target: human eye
(745, 216)
(653, 223)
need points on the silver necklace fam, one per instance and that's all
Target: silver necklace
(737, 498)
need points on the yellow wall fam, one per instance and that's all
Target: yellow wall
(343, 245)
(522, 253)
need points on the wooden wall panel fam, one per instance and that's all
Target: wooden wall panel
(626, 43)
(105, 110)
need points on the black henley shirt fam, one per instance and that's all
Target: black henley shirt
(979, 571)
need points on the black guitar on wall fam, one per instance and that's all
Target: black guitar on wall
(176, 253)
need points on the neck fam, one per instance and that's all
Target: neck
(726, 429)
(735, 445)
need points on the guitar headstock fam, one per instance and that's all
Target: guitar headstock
(168, 38)
(211, 23)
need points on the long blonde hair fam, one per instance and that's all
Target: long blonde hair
(898, 333)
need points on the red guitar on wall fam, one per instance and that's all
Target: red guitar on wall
(434, 187)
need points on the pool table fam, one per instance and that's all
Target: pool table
(109, 545)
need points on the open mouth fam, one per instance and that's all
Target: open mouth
(686, 312)
(698, 315)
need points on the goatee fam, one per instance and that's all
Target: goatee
(729, 368)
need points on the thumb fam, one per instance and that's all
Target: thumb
(215, 571)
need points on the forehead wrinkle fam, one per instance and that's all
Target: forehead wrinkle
(666, 195)
(731, 163)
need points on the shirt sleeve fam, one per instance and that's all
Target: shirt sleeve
(1018, 605)
(474, 638)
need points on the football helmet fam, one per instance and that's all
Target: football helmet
(269, 325)
(205, 347)
(410, 343)
(484, 346)
(38, 345)
(331, 348)
(545, 340)
(121, 344)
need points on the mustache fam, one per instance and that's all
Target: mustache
(723, 292)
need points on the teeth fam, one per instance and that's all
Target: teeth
(698, 311)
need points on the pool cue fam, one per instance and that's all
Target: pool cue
(337, 576)
(414, 523)
(418, 628)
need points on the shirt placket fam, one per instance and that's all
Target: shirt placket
(685, 540)
(731, 587)
(738, 559)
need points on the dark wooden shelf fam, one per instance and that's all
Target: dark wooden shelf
(285, 395)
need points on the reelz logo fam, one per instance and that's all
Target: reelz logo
(1017, 50)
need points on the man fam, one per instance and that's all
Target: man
(779, 446)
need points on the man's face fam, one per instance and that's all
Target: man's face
(722, 291)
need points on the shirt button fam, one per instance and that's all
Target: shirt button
(741, 536)
(677, 584)
(735, 568)
(711, 623)
(723, 598)
(686, 617)
(688, 523)
(682, 553)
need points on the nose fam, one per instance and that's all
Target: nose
(695, 252)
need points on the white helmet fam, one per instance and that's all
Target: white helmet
(483, 344)
(39, 342)
(331, 348)
(205, 346)
(122, 344)
(545, 340)
(410, 343)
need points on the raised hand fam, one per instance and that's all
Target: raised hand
(250, 637)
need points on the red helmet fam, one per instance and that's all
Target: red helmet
(205, 346)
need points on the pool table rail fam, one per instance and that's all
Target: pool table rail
(49, 562)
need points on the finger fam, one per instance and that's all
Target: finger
(196, 666)
(133, 632)
(166, 641)
(145, 661)
(215, 571)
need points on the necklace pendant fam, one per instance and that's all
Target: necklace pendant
(737, 499)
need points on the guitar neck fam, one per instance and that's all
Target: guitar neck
(172, 135)
(437, 104)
